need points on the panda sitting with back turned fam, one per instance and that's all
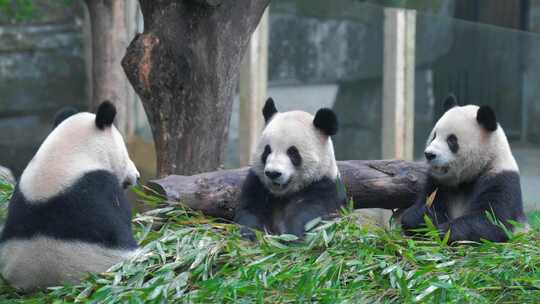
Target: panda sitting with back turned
(472, 173)
(68, 215)
(294, 177)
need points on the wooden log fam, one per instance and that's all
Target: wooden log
(387, 184)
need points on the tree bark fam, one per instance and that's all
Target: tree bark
(185, 68)
(109, 41)
(387, 184)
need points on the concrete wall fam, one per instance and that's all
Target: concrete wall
(41, 69)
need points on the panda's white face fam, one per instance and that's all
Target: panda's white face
(460, 148)
(73, 148)
(292, 153)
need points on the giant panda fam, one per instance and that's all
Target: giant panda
(293, 177)
(472, 172)
(68, 215)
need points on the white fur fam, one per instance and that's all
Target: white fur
(73, 148)
(43, 261)
(480, 151)
(288, 129)
(459, 204)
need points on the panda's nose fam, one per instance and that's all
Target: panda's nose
(272, 174)
(430, 156)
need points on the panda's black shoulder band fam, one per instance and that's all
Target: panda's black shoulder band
(326, 121)
(105, 114)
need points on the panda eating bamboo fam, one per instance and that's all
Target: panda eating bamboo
(474, 184)
(294, 177)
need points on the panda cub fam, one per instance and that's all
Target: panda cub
(294, 177)
(472, 172)
(68, 215)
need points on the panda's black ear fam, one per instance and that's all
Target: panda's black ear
(326, 121)
(105, 115)
(62, 114)
(486, 117)
(450, 102)
(269, 109)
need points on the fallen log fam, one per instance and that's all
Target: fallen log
(387, 184)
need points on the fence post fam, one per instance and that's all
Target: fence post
(398, 83)
(253, 87)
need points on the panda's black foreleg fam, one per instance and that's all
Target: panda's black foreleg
(254, 210)
(473, 227)
(248, 223)
(413, 217)
(296, 221)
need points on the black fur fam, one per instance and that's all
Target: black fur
(453, 143)
(486, 117)
(93, 210)
(326, 121)
(269, 110)
(294, 156)
(500, 194)
(62, 114)
(450, 102)
(266, 152)
(105, 115)
(258, 206)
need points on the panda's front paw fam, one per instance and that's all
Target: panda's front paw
(248, 233)
(443, 229)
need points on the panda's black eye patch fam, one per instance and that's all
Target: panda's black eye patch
(294, 155)
(264, 156)
(452, 143)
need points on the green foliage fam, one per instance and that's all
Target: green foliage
(186, 257)
(5, 194)
(534, 220)
(17, 10)
(25, 10)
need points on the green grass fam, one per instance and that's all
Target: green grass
(187, 257)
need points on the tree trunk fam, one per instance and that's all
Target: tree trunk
(109, 41)
(387, 184)
(185, 68)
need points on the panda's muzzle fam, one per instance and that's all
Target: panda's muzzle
(276, 178)
(440, 169)
(131, 182)
(438, 166)
(280, 185)
(272, 175)
(126, 184)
